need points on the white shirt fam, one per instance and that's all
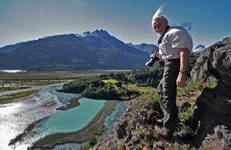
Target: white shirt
(175, 37)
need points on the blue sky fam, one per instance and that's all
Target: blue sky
(128, 20)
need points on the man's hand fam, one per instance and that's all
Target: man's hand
(180, 81)
(155, 55)
(184, 60)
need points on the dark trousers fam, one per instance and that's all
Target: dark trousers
(167, 91)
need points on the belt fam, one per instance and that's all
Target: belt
(173, 60)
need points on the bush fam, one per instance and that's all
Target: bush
(92, 141)
(147, 76)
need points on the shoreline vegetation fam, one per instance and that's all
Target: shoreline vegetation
(5, 99)
(94, 128)
(3, 89)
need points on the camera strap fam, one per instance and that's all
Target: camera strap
(162, 35)
(160, 39)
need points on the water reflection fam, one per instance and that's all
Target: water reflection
(15, 117)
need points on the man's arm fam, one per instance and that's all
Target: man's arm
(184, 61)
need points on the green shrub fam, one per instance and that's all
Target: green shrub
(92, 141)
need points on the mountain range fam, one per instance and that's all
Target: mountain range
(199, 48)
(147, 48)
(87, 51)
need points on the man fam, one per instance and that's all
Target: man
(175, 45)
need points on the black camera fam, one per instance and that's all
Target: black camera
(152, 60)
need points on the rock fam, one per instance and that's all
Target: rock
(213, 106)
(201, 70)
(120, 128)
(158, 146)
(220, 140)
(135, 139)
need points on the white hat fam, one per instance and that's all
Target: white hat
(158, 13)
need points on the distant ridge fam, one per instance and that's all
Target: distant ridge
(148, 48)
(199, 48)
(87, 51)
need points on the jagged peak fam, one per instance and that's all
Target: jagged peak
(101, 32)
(97, 32)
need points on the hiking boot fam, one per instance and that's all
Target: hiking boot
(163, 132)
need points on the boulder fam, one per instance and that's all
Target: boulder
(213, 106)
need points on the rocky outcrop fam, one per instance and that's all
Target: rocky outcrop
(213, 106)
(134, 128)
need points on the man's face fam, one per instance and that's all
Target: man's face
(159, 25)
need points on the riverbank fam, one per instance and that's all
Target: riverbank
(74, 102)
(21, 136)
(3, 89)
(5, 99)
(18, 95)
(95, 127)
